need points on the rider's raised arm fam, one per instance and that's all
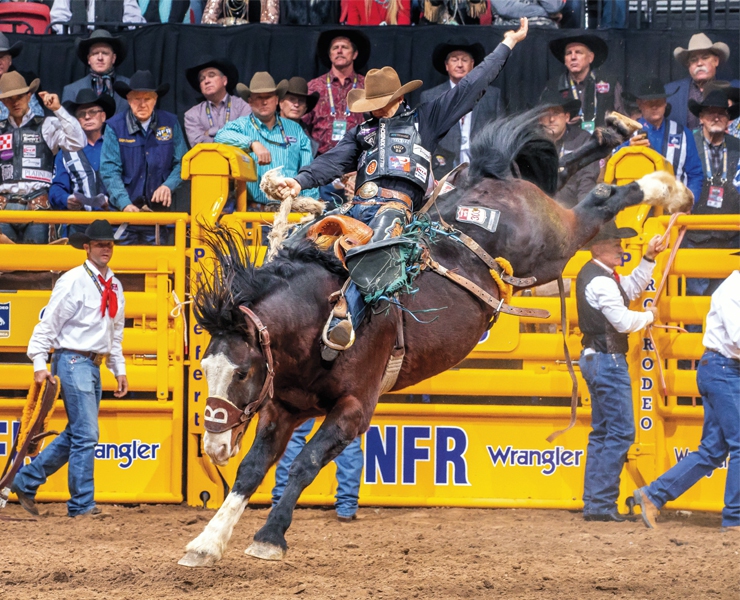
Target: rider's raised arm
(326, 167)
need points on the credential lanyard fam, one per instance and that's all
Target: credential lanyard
(285, 142)
(94, 279)
(708, 162)
(210, 118)
(329, 91)
(577, 97)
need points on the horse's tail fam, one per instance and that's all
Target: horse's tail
(516, 147)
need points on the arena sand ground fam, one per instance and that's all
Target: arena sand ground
(387, 553)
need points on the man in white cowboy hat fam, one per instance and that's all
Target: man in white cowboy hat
(701, 58)
(27, 147)
(273, 140)
(94, 11)
(215, 79)
(83, 325)
(392, 156)
(102, 53)
(141, 160)
(7, 54)
(455, 60)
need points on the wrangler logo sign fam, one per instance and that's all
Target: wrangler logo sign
(127, 453)
(549, 460)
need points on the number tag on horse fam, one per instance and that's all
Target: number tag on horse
(487, 218)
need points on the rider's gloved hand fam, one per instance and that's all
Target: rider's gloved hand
(287, 188)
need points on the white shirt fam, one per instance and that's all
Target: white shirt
(722, 333)
(602, 293)
(62, 131)
(464, 134)
(61, 11)
(72, 320)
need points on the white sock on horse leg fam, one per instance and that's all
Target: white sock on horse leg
(218, 532)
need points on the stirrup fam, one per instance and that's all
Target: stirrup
(325, 333)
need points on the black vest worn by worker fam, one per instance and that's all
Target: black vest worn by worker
(598, 333)
(393, 149)
(24, 155)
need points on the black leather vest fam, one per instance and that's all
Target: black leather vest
(598, 333)
(393, 149)
(24, 155)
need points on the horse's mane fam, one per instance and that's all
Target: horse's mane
(515, 147)
(235, 281)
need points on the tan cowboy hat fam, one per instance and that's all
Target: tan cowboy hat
(701, 42)
(382, 87)
(262, 83)
(12, 83)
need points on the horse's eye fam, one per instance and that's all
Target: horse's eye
(241, 375)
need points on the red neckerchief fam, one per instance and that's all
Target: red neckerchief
(109, 298)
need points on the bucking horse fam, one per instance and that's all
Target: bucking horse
(265, 323)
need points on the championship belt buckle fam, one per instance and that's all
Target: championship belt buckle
(368, 190)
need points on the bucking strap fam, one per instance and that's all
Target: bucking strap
(476, 248)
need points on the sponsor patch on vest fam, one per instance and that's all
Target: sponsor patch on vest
(398, 149)
(125, 141)
(400, 136)
(32, 162)
(602, 87)
(164, 134)
(441, 160)
(487, 218)
(29, 151)
(7, 172)
(31, 138)
(6, 141)
(674, 140)
(370, 139)
(6, 155)
(399, 163)
(371, 167)
(423, 152)
(291, 139)
(421, 173)
(36, 175)
(447, 187)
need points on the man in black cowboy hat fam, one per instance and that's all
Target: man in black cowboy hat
(215, 79)
(77, 184)
(83, 325)
(456, 60)
(7, 54)
(80, 12)
(604, 317)
(555, 120)
(141, 160)
(344, 51)
(666, 136)
(582, 55)
(102, 53)
(297, 102)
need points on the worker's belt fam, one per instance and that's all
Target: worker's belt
(369, 191)
(31, 201)
(96, 357)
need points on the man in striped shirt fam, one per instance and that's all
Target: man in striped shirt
(271, 139)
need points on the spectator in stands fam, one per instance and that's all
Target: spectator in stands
(606, 321)
(316, 12)
(76, 12)
(581, 55)
(297, 102)
(665, 135)
(102, 53)
(615, 15)
(370, 12)
(77, 184)
(216, 79)
(7, 54)
(27, 147)
(541, 13)
(168, 11)
(236, 12)
(701, 58)
(453, 12)
(568, 138)
(142, 155)
(273, 140)
(456, 60)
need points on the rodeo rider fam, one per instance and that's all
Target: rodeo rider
(392, 154)
(83, 323)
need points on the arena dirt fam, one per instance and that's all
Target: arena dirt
(387, 553)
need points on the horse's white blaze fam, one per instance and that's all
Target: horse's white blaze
(219, 372)
(218, 532)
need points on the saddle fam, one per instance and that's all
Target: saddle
(340, 231)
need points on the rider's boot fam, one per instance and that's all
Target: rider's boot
(338, 334)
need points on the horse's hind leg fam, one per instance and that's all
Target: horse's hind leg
(273, 432)
(341, 426)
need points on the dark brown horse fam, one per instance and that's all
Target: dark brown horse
(291, 298)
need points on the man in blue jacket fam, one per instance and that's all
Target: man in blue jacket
(142, 155)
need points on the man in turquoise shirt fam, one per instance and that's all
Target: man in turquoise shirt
(272, 140)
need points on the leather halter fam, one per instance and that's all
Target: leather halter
(221, 414)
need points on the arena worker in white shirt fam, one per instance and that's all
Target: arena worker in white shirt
(83, 324)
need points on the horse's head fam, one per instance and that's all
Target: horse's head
(239, 373)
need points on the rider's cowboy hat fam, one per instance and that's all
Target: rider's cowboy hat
(359, 39)
(226, 67)
(610, 231)
(554, 98)
(6, 48)
(13, 83)
(715, 99)
(592, 42)
(141, 81)
(298, 87)
(101, 36)
(97, 231)
(700, 42)
(382, 87)
(261, 83)
(88, 96)
(442, 51)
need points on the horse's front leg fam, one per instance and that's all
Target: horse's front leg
(273, 432)
(342, 425)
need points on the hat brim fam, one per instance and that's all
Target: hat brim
(13, 50)
(78, 240)
(358, 103)
(593, 42)
(696, 107)
(17, 92)
(571, 106)
(123, 89)
(104, 101)
(359, 39)
(614, 233)
(117, 43)
(721, 49)
(442, 51)
(228, 69)
(280, 89)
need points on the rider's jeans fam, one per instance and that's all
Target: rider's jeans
(25, 233)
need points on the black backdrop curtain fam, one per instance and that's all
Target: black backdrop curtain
(285, 51)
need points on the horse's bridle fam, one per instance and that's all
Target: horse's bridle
(223, 415)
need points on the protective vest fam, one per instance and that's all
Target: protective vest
(598, 333)
(105, 12)
(24, 154)
(146, 159)
(83, 177)
(675, 148)
(393, 149)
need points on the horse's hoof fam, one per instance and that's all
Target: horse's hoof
(197, 559)
(265, 551)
